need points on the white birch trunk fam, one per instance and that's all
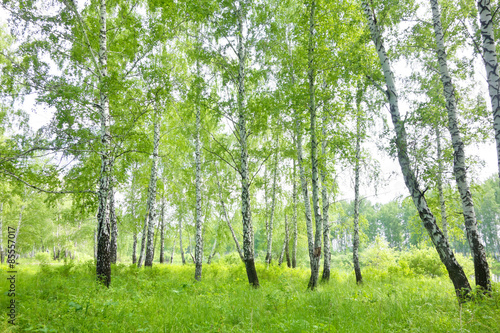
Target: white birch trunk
(142, 252)
(326, 206)
(103, 265)
(491, 64)
(482, 271)
(162, 231)
(248, 243)
(314, 160)
(295, 231)
(152, 193)
(212, 252)
(355, 246)
(199, 223)
(455, 271)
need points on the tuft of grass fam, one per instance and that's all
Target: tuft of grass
(165, 298)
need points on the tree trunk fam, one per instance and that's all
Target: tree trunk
(269, 254)
(491, 64)
(180, 241)
(143, 241)
(212, 253)
(248, 241)
(326, 205)
(190, 251)
(134, 249)
(152, 193)
(19, 223)
(295, 232)
(442, 203)
(355, 245)
(172, 253)
(95, 247)
(455, 271)
(481, 269)
(199, 223)
(314, 160)
(103, 265)
(162, 231)
(114, 225)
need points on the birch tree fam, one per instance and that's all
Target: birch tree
(455, 271)
(482, 272)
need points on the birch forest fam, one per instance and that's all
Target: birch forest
(249, 166)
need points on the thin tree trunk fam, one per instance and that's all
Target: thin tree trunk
(134, 249)
(103, 265)
(284, 249)
(152, 193)
(295, 231)
(114, 225)
(491, 64)
(162, 231)
(442, 202)
(224, 211)
(190, 251)
(273, 205)
(199, 223)
(481, 269)
(143, 241)
(212, 253)
(355, 246)
(180, 241)
(248, 241)
(19, 223)
(326, 205)
(455, 271)
(314, 160)
(172, 253)
(95, 247)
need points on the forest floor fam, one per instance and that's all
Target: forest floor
(66, 298)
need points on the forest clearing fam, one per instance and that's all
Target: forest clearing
(249, 165)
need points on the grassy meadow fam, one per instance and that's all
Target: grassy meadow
(66, 298)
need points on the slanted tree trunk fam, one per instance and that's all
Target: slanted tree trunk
(248, 241)
(269, 254)
(326, 205)
(455, 271)
(114, 225)
(314, 160)
(481, 269)
(2, 255)
(491, 64)
(226, 217)
(103, 265)
(355, 245)
(180, 241)
(442, 203)
(162, 231)
(212, 253)
(295, 232)
(199, 222)
(152, 193)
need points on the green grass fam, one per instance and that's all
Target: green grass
(66, 298)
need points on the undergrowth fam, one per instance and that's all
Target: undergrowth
(165, 298)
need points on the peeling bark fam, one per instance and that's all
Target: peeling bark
(248, 241)
(326, 205)
(295, 231)
(455, 271)
(442, 202)
(355, 246)
(481, 269)
(152, 193)
(491, 64)
(199, 223)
